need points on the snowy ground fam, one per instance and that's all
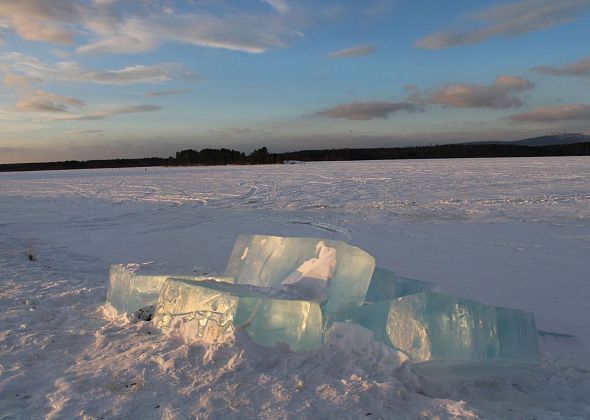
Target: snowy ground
(511, 232)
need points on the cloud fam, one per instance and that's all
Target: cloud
(577, 68)
(101, 115)
(356, 51)
(34, 100)
(168, 92)
(363, 111)
(134, 26)
(130, 36)
(251, 33)
(554, 114)
(233, 131)
(18, 81)
(129, 75)
(70, 71)
(41, 101)
(498, 95)
(379, 9)
(42, 20)
(513, 83)
(509, 20)
(281, 6)
(87, 132)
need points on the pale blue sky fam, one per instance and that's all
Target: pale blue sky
(85, 79)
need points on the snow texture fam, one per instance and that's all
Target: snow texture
(507, 232)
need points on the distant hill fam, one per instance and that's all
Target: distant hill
(554, 139)
(548, 140)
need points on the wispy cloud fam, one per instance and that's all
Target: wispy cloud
(42, 20)
(71, 71)
(136, 26)
(356, 51)
(233, 131)
(363, 111)
(31, 99)
(87, 132)
(379, 8)
(101, 115)
(509, 20)
(577, 68)
(251, 33)
(168, 92)
(554, 114)
(499, 95)
(281, 6)
(40, 101)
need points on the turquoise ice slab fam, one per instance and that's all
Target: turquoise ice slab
(268, 316)
(269, 321)
(434, 327)
(386, 285)
(129, 291)
(331, 272)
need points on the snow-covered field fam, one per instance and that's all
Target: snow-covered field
(510, 232)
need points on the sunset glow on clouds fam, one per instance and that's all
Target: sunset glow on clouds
(84, 79)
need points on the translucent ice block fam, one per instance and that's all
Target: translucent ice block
(212, 309)
(386, 285)
(433, 327)
(326, 271)
(204, 310)
(130, 289)
(128, 292)
(269, 321)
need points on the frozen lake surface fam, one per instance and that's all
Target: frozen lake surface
(509, 232)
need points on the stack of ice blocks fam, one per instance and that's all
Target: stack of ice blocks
(292, 290)
(287, 290)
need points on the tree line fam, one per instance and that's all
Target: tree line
(191, 157)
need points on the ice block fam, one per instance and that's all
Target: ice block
(214, 308)
(434, 327)
(331, 272)
(128, 292)
(269, 321)
(130, 289)
(202, 308)
(386, 285)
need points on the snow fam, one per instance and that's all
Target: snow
(507, 232)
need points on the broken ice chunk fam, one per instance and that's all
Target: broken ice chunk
(386, 285)
(269, 321)
(207, 310)
(130, 289)
(129, 292)
(315, 269)
(433, 327)
(517, 331)
(198, 309)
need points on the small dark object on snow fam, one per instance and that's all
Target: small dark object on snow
(144, 314)
(30, 255)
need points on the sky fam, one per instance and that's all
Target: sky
(95, 79)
